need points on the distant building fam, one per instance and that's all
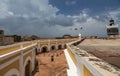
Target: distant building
(112, 29)
(34, 37)
(67, 36)
(1, 37)
(8, 39)
(26, 38)
(29, 38)
(17, 38)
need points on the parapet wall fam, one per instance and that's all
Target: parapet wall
(89, 65)
(15, 62)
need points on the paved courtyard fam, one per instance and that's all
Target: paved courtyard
(47, 67)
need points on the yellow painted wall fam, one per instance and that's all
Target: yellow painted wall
(86, 72)
(27, 44)
(9, 49)
(9, 58)
(27, 55)
(14, 65)
(72, 56)
(26, 50)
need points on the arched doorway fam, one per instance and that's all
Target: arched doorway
(27, 69)
(52, 47)
(44, 49)
(59, 47)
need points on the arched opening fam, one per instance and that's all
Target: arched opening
(44, 49)
(59, 47)
(27, 69)
(65, 46)
(52, 47)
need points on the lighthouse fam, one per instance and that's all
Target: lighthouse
(112, 29)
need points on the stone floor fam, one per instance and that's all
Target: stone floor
(48, 68)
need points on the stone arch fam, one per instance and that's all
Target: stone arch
(53, 47)
(65, 46)
(12, 72)
(28, 66)
(27, 69)
(59, 46)
(44, 49)
(27, 59)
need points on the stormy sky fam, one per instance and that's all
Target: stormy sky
(51, 18)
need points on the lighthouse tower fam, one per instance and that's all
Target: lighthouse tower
(112, 29)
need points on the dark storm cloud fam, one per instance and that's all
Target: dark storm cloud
(29, 26)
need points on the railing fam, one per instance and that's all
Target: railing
(11, 48)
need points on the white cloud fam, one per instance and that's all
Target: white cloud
(10, 13)
(33, 8)
(97, 17)
(70, 2)
(115, 14)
